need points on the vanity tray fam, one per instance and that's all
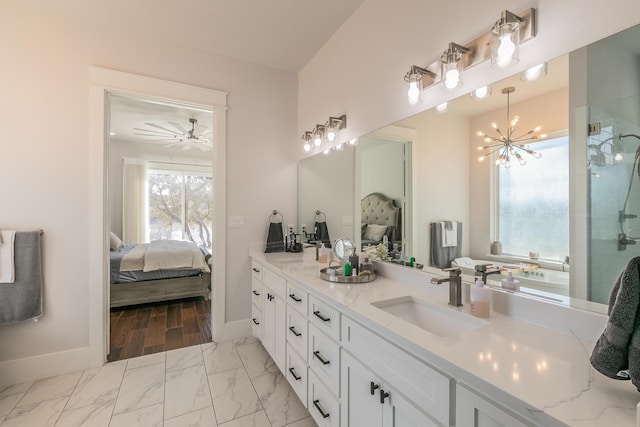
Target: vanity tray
(340, 278)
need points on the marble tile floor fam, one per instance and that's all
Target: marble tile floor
(226, 384)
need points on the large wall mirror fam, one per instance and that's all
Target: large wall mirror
(574, 212)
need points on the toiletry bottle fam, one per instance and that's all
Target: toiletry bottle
(480, 299)
(323, 254)
(347, 269)
(510, 283)
(355, 263)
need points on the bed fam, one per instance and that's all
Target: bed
(379, 217)
(162, 270)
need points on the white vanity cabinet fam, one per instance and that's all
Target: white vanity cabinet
(297, 340)
(274, 316)
(472, 410)
(256, 300)
(371, 401)
(418, 394)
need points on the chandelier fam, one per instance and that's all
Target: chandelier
(506, 144)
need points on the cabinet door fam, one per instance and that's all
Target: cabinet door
(280, 333)
(256, 322)
(360, 388)
(474, 411)
(268, 321)
(399, 412)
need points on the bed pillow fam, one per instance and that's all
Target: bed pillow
(114, 242)
(374, 232)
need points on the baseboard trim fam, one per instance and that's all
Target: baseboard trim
(232, 330)
(43, 366)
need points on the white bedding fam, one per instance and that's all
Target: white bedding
(164, 255)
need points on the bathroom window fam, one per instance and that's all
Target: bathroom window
(533, 203)
(180, 203)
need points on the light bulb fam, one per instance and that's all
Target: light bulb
(327, 152)
(481, 159)
(331, 134)
(307, 147)
(452, 77)
(506, 50)
(413, 93)
(338, 147)
(523, 162)
(442, 108)
(480, 133)
(537, 155)
(494, 125)
(481, 92)
(618, 157)
(317, 141)
(507, 164)
(353, 141)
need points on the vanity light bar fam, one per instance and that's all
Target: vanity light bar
(475, 52)
(322, 133)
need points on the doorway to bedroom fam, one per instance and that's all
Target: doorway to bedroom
(160, 220)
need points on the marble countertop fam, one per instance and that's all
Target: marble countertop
(529, 368)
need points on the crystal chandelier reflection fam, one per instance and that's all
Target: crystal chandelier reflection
(506, 145)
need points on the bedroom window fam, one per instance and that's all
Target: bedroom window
(533, 203)
(181, 203)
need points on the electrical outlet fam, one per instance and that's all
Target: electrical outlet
(303, 228)
(594, 128)
(291, 228)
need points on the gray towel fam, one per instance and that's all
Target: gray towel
(611, 355)
(275, 238)
(322, 233)
(441, 257)
(22, 299)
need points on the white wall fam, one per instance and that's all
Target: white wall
(44, 117)
(360, 70)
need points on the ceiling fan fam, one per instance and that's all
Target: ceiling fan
(177, 135)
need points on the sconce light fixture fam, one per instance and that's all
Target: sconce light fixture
(507, 145)
(500, 44)
(481, 93)
(451, 66)
(318, 135)
(415, 78)
(326, 132)
(306, 137)
(334, 124)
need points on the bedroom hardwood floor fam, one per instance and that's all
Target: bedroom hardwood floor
(152, 328)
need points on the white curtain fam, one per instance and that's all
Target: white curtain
(135, 203)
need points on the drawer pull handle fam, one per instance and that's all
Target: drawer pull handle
(320, 316)
(256, 293)
(255, 321)
(320, 358)
(296, 299)
(294, 332)
(295, 376)
(257, 270)
(383, 395)
(374, 387)
(316, 403)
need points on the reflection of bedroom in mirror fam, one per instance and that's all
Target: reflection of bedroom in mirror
(160, 196)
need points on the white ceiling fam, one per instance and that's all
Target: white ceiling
(283, 34)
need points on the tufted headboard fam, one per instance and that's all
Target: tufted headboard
(376, 208)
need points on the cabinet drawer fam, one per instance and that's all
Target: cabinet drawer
(427, 388)
(297, 331)
(324, 358)
(277, 283)
(325, 317)
(256, 322)
(297, 373)
(256, 270)
(256, 291)
(297, 298)
(474, 411)
(322, 405)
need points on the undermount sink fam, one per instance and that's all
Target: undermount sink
(438, 320)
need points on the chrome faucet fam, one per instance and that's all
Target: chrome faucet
(455, 285)
(484, 270)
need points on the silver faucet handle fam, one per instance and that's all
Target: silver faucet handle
(453, 271)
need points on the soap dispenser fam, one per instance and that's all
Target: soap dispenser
(510, 283)
(480, 299)
(323, 254)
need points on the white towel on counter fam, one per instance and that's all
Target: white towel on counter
(7, 262)
(449, 233)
